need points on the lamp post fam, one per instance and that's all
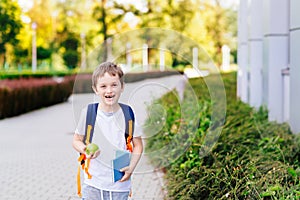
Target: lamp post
(34, 53)
(83, 51)
(145, 57)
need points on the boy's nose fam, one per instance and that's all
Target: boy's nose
(108, 89)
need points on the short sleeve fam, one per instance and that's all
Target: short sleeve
(80, 129)
(138, 130)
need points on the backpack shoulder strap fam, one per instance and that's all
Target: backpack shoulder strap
(90, 122)
(88, 136)
(129, 124)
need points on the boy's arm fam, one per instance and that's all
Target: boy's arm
(135, 157)
(77, 143)
(136, 153)
(81, 147)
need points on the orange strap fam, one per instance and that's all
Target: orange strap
(129, 138)
(78, 183)
(88, 135)
(84, 167)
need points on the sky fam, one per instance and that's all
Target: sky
(228, 3)
(25, 4)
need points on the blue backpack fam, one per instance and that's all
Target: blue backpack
(91, 118)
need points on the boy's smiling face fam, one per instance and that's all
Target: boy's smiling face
(109, 89)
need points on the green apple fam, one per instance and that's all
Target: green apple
(91, 148)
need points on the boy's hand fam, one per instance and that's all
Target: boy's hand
(93, 155)
(127, 174)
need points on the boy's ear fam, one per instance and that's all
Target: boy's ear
(94, 89)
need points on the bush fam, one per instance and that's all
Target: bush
(71, 58)
(29, 74)
(83, 82)
(23, 95)
(252, 159)
(35, 90)
(43, 53)
(139, 76)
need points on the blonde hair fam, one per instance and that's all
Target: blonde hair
(109, 67)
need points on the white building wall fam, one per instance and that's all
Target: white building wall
(243, 83)
(280, 57)
(256, 52)
(295, 65)
(276, 48)
(265, 69)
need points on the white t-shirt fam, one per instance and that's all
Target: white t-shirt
(109, 136)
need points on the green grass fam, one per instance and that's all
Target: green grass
(15, 74)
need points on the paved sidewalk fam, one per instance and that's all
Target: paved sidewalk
(37, 158)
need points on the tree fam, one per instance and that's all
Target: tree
(40, 13)
(70, 55)
(43, 53)
(205, 21)
(171, 14)
(221, 27)
(110, 15)
(10, 25)
(180, 15)
(73, 20)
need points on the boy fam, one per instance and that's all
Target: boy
(108, 84)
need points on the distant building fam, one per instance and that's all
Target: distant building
(269, 58)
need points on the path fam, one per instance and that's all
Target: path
(38, 161)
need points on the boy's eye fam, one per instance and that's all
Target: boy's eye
(115, 85)
(102, 86)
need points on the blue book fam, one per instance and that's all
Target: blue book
(122, 160)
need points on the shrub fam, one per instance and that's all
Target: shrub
(139, 76)
(29, 74)
(23, 95)
(35, 90)
(83, 82)
(252, 159)
(43, 53)
(71, 58)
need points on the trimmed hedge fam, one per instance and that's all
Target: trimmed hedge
(133, 77)
(252, 159)
(32, 91)
(29, 74)
(22, 95)
(83, 82)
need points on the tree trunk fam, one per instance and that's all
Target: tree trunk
(2, 60)
(104, 31)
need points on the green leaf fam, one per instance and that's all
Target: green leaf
(275, 188)
(267, 194)
(292, 172)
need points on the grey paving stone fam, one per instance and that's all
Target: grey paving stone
(37, 158)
